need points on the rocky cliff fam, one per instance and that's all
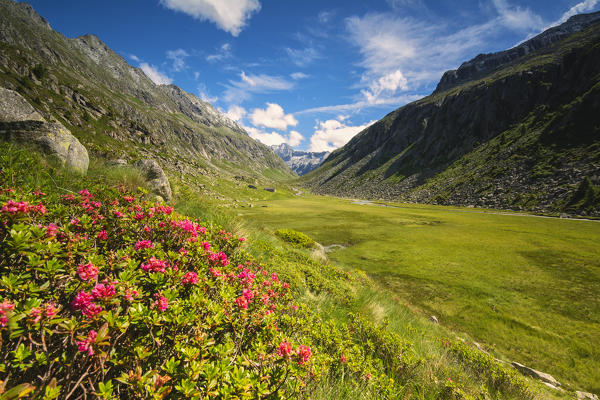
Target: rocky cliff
(114, 109)
(521, 133)
(301, 162)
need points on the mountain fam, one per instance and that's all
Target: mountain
(115, 110)
(301, 162)
(518, 129)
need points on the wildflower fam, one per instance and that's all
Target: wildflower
(51, 310)
(35, 314)
(215, 272)
(119, 214)
(39, 208)
(102, 291)
(304, 353)
(162, 303)
(39, 193)
(51, 230)
(139, 216)
(128, 198)
(85, 345)
(147, 229)
(248, 294)
(242, 239)
(343, 359)
(242, 302)
(68, 197)
(154, 265)
(85, 193)
(190, 278)
(130, 294)
(75, 221)
(13, 207)
(285, 349)
(83, 302)
(87, 272)
(103, 235)
(274, 277)
(144, 244)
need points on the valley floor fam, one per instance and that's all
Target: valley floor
(524, 287)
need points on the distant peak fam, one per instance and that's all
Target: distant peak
(31, 13)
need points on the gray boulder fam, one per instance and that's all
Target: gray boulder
(21, 123)
(155, 177)
(585, 396)
(542, 376)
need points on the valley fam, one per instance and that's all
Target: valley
(523, 287)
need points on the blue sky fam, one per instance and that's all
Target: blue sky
(310, 73)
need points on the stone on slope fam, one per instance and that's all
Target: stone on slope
(155, 177)
(585, 396)
(542, 376)
(21, 123)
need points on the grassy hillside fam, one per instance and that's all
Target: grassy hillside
(523, 286)
(197, 328)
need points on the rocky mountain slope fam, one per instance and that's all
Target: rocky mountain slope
(518, 129)
(301, 162)
(115, 110)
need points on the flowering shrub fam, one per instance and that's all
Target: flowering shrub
(122, 298)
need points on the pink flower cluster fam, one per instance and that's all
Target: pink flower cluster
(103, 235)
(13, 207)
(85, 345)
(155, 265)
(37, 313)
(190, 278)
(161, 302)
(285, 350)
(144, 244)
(84, 301)
(219, 257)
(5, 306)
(87, 271)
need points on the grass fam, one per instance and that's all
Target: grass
(525, 287)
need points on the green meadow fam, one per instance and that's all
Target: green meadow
(525, 287)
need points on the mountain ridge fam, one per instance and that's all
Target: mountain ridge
(523, 137)
(115, 110)
(301, 162)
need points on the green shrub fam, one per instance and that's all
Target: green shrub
(295, 238)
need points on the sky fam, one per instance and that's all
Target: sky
(309, 73)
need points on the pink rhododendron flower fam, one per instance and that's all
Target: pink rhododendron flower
(87, 272)
(83, 302)
(39, 193)
(190, 278)
(85, 193)
(51, 310)
(102, 291)
(51, 230)
(215, 272)
(118, 214)
(75, 221)
(285, 349)
(242, 302)
(35, 314)
(103, 235)
(304, 353)
(139, 216)
(147, 229)
(248, 294)
(130, 294)
(343, 359)
(242, 239)
(144, 244)
(128, 198)
(85, 345)
(162, 303)
(155, 265)
(13, 207)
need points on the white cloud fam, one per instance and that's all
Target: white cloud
(134, 57)
(236, 113)
(196, 75)
(272, 117)
(332, 134)
(238, 91)
(298, 75)
(204, 95)
(405, 3)
(395, 101)
(271, 139)
(229, 15)
(517, 18)
(303, 57)
(584, 6)
(223, 52)
(178, 58)
(387, 84)
(153, 73)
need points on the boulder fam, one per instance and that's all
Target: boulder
(272, 190)
(21, 123)
(252, 187)
(155, 177)
(119, 162)
(585, 396)
(542, 376)
(434, 319)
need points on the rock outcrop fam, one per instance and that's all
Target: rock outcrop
(21, 123)
(155, 178)
(542, 376)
